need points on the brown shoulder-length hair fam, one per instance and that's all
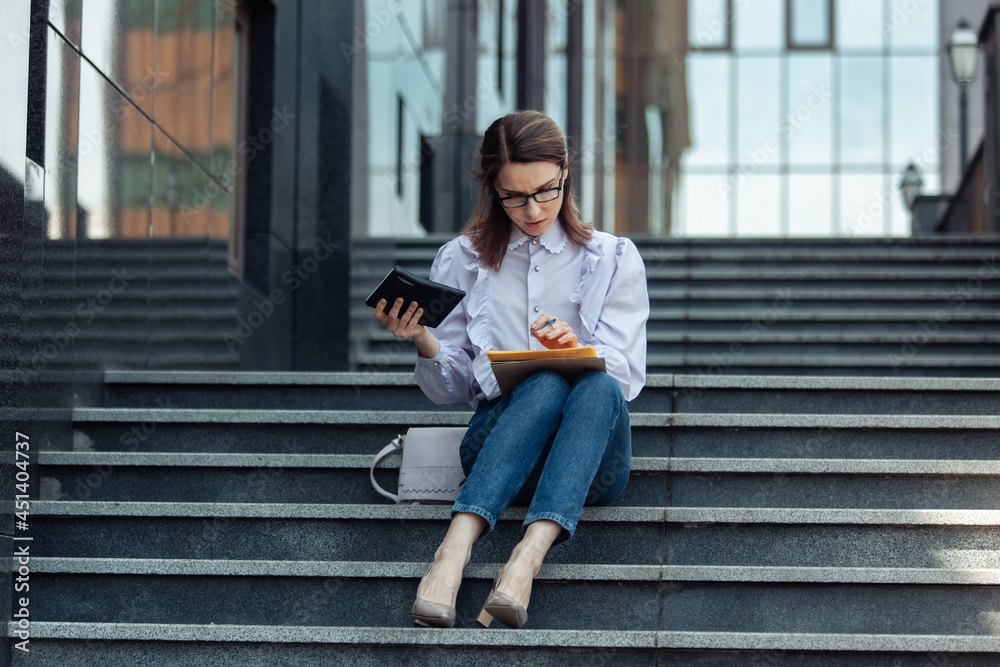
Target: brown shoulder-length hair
(523, 136)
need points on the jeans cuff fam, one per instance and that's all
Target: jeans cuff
(568, 529)
(472, 509)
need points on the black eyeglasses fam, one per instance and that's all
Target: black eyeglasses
(542, 196)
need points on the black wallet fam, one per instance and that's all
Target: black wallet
(436, 299)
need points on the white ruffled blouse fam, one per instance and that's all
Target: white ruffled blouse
(613, 310)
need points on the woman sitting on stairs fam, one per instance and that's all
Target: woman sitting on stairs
(535, 276)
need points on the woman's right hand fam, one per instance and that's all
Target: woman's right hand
(406, 325)
(401, 325)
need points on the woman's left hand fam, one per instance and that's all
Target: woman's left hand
(555, 336)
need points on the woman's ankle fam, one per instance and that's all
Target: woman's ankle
(449, 554)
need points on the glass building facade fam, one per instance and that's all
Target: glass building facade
(687, 117)
(208, 158)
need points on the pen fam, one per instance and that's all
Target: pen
(550, 322)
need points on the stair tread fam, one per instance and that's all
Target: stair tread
(877, 359)
(653, 380)
(935, 517)
(428, 418)
(741, 314)
(526, 637)
(757, 337)
(549, 572)
(639, 464)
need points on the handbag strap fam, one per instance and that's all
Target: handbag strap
(394, 446)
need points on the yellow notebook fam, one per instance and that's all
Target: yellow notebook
(511, 368)
(500, 356)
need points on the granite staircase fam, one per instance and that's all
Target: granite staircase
(125, 303)
(226, 519)
(857, 307)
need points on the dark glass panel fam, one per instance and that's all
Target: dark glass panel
(118, 38)
(184, 74)
(62, 103)
(66, 17)
(195, 298)
(112, 277)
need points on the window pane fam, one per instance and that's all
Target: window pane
(704, 206)
(810, 205)
(708, 86)
(861, 110)
(865, 201)
(759, 25)
(914, 112)
(808, 121)
(758, 209)
(810, 22)
(708, 24)
(381, 114)
(758, 83)
(912, 24)
(859, 24)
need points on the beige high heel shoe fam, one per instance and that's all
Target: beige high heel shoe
(432, 614)
(502, 607)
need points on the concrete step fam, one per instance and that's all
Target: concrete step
(102, 333)
(796, 296)
(236, 645)
(770, 344)
(770, 247)
(618, 603)
(687, 434)
(656, 481)
(908, 270)
(95, 359)
(50, 323)
(607, 535)
(700, 313)
(753, 338)
(241, 389)
(550, 572)
(905, 363)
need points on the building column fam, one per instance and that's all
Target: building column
(531, 54)
(988, 35)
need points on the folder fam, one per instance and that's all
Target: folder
(511, 368)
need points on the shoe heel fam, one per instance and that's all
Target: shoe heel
(484, 619)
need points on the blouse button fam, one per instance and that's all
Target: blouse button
(535, 242)
(537, 269)
(536, 309)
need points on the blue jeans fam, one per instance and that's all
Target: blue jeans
(551, 442)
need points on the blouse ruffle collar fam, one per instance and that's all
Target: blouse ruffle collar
(553, 240)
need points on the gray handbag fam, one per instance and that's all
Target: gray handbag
(431, 471)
